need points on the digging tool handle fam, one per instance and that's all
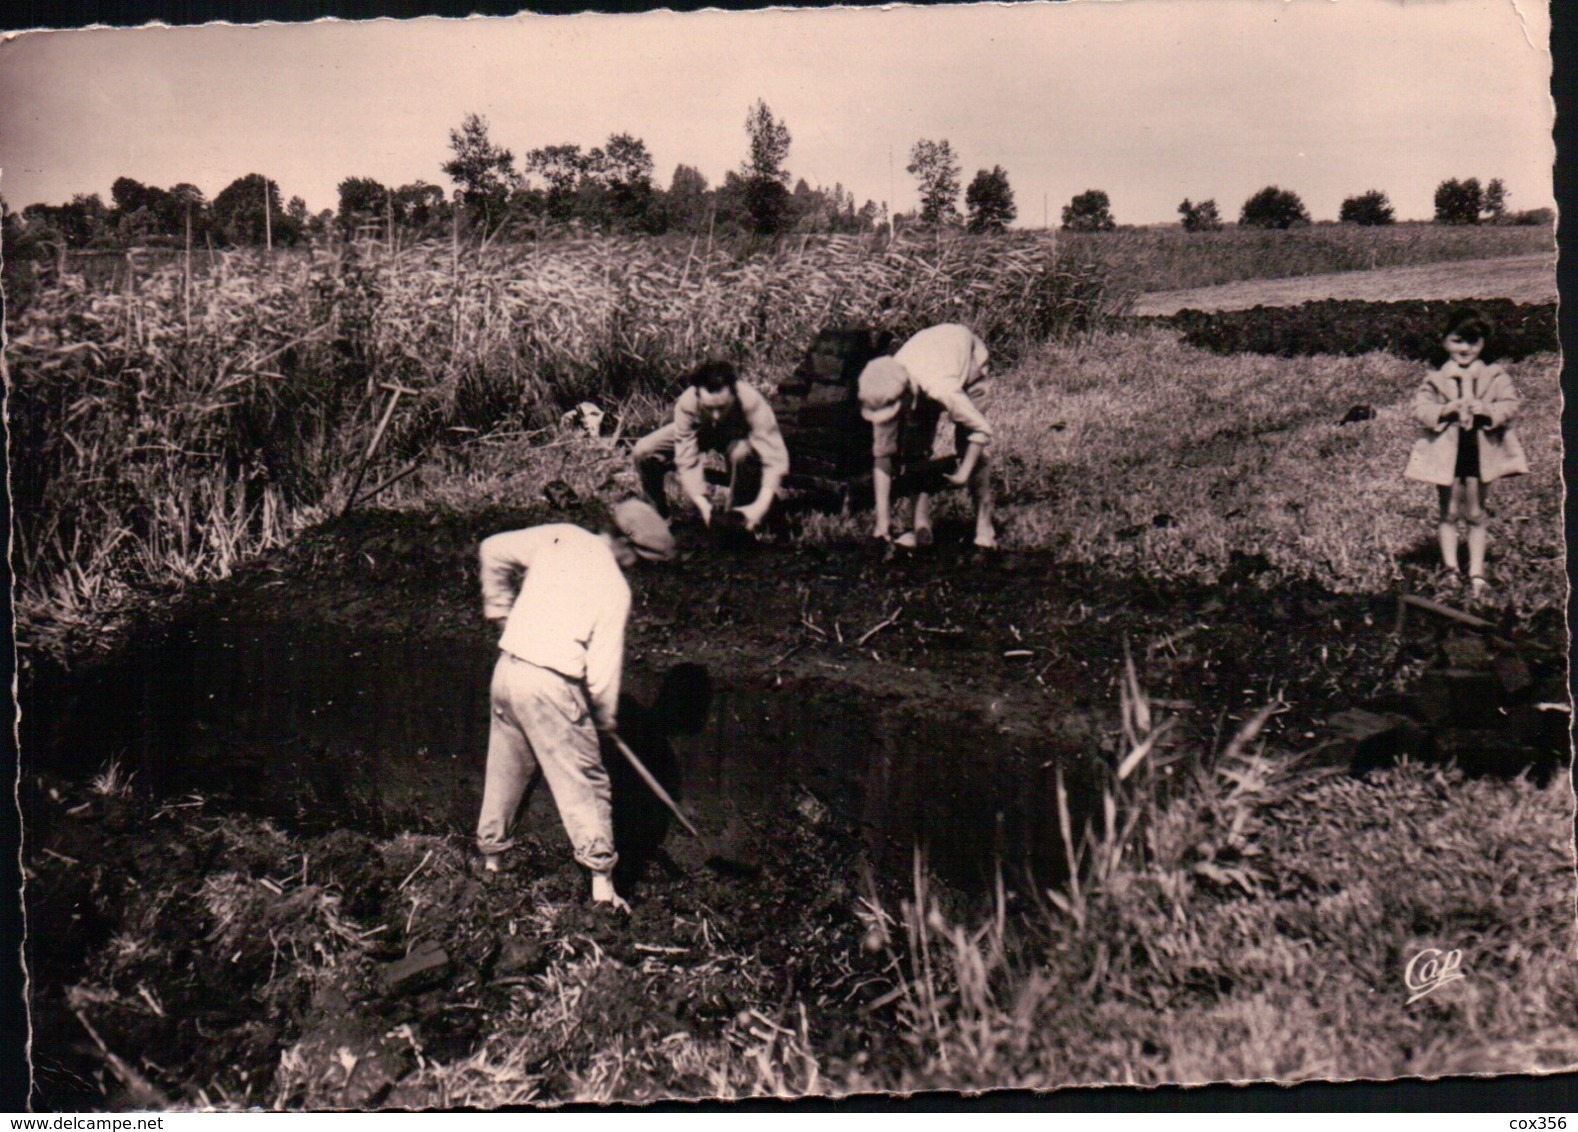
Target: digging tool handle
(657, 788)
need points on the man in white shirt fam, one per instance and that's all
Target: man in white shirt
(944, 363)
(556, 684)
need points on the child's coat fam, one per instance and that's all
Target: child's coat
(1434, 456)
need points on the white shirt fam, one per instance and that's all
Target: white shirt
(571, 610)
(944, 362)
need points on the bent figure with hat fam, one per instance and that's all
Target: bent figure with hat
(942, 364)
(717, 413)
(556, 683)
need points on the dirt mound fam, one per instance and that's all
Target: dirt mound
(1409, 329)
(335, 971)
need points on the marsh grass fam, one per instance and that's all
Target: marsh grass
(1250, 918)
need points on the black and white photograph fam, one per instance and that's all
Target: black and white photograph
(797, 553)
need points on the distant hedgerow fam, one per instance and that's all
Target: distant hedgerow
(1409, 329)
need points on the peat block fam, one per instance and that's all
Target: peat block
(1483, 750)
(1461, 697)
(1368, 739)
(1409, 328)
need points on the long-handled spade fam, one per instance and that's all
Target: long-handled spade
(716, 858)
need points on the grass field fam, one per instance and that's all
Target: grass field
(1136, 452)
(1288, 966)
(1248, 454)
(1523, 279)
(1167, 258)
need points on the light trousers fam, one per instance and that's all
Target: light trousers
(542, 720)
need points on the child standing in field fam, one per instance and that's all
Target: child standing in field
(1466, 408)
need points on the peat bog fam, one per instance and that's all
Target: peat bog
(279, 906)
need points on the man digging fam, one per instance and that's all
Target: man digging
(717, 413)
(556, 683)
(942, 364)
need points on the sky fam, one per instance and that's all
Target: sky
(1150, 101)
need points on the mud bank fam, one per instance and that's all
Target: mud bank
(925, 699)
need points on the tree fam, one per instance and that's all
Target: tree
(419, 205)
(1272, 207)
(1090, 211)
(769, 145)
(362, 201)
(1533, 217)
(128, 195)
(768, 205)
(1367, 209)
(685, 205)
(728, 205)
(828, 210)
(623, 160)
(990, 201)
(562, 169)
(185, 205)
(1495, 202)
(238, 210)
(1459, 202)
(85, 220)
(623, 168)
(1202, 217)
(484, 174)
(937, 169)
(139, 211)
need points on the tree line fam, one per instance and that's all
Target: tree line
(610, 188)
(1456, 202)
(553, 188)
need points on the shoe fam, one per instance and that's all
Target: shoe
(907, 540)
(1478, 587)
(986, 543)
(923, 536)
